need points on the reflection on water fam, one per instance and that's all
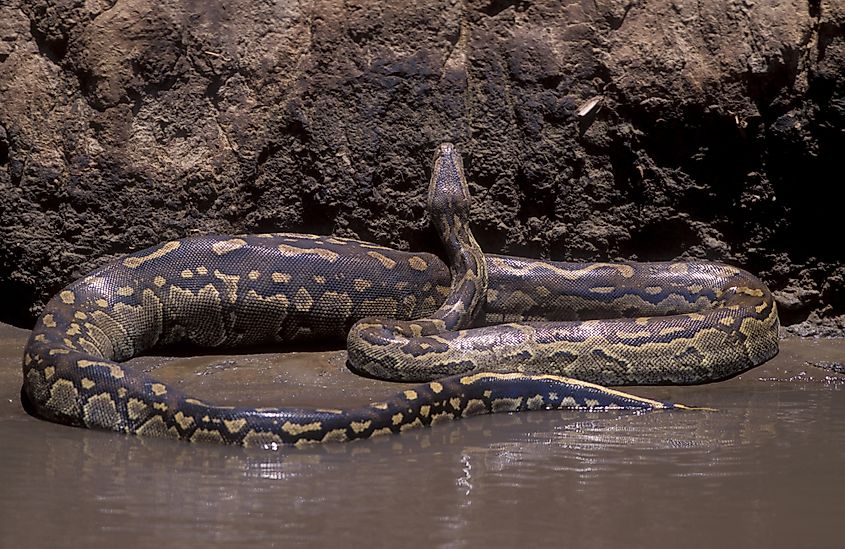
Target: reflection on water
(766, 468)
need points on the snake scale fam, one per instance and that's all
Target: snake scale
(487, 333)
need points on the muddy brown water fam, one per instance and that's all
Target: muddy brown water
(767, 469)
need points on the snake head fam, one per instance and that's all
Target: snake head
(448, 192)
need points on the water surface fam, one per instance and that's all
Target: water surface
(765, 469)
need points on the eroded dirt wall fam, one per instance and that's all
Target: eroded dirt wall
(716, 131)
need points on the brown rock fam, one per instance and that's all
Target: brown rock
(591, 130)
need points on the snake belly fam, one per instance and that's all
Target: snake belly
(556, 329)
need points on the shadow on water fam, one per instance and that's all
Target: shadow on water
(764, 470)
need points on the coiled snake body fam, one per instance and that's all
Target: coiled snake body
(487, 334)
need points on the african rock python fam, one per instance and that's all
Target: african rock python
(504, 329)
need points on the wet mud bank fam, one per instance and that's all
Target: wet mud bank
(764, 469)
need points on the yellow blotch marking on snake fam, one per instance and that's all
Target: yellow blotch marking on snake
(156, 427)
(696, 316)
(302, 300)
(48, 372)
(435, 386)
(441, 417)
(319, 279)
(136, 409)
(568, 402)
(58, 351)
(679, 268)
(507, 404)
(90, 347)
(206, 435)
(253, 275)
(381, 432)
(379, 405)
(260, 439)
(492, 295)
(87, 383)
(670, 330)
(360, 284)
(397, 418)
(296, 237)
(115, 370)
(727, 321)
(323, 253)
(370, 245)
(125, 291)
(626, 271)
(280, 278)
(202, 270)
(429, 303)
(67, 297)
(536, 402)
(303, 442)
(101, 411)
(408, 304)
(160, 406)
(41, 338)
(602, 289)
(383, 259)
(653, 290)
(753, 292)
(187, 273)
(329, 410)
(158, 281)
(417, 263)
(73, 329)
(360, 426)
(412, 425)
(134, 262)
(474, 407)
(380, 306)
(591, 403)
(79, 315)
(231, 283)
(48, 321)
(185, 422)
(425, 410)
(226, 246)
(411, 395)
(158, 389)
(64, 398)
(695, 288)
(297, 429)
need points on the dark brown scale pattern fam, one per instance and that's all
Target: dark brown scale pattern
(223, 291)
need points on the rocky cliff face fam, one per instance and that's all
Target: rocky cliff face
(590, 129)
